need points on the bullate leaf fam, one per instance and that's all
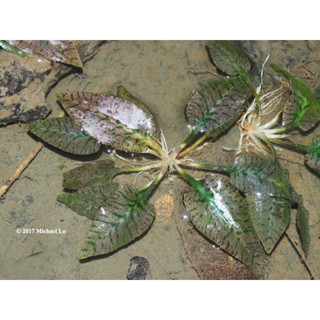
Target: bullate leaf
(111, 120)
(88, 174)
(54, 50)
(260, 176)
(220, 213)
(228, 57)
(65, 135)
(270, 217)
(218, 105)
(304, 112)
(125, 216)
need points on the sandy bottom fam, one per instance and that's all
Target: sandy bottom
(158, 73)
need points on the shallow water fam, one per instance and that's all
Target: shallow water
(158, 73)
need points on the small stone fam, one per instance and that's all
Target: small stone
(139, 269)
(29, 199)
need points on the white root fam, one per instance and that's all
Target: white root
(261, 75)
(254, 134)
(164, 144)
(228, 149)
(270, 106)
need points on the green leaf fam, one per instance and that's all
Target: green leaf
(218, 105)
(313, 156)
(220, 213)
(304, 113)
(270, 217)
(111, 120)
(89, 173)
(125, 216)
(54, 50)
(260, 176)
(228, 57)
(302, 221)
(303, 226)
(124, 94)
(12, 49)
(93, 182)
(263, 177)
(65, 135)
(86, 201)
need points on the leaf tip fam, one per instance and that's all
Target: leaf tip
(60, 95)
(268, 246)
(87, 251)
(30, 126)
(61, 197)
(77, 63)
(83, 254)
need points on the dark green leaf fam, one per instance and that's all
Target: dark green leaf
(228, 57)
(12, 49)
(218, 105)
(220, 213)
(304, 112)
(65, 135)
(86, 201)
(302, 220)
(88, 174)
(125, 216)
(270, 217)
(260, 176)
(111, 120)
(303, 226)
(264, 178)
(93, 182)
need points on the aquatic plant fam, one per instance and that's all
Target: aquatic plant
(245, 212)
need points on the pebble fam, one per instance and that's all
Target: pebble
(139, 269)
(29, 198)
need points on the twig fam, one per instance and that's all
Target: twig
(5, 187)
(302, 257)
(202, 71)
